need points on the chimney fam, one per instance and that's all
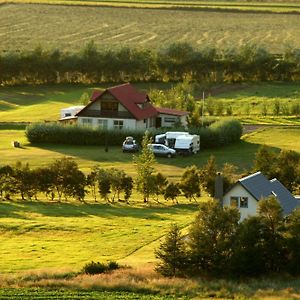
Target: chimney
(219, 188)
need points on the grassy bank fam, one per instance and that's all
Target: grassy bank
(143, 283)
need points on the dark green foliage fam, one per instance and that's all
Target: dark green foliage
(217, 244)
(144, 163)
(211, 237)
(284, 166)
(190, 183)
(292, 227)
(172, 254)
(172, 191)
(217, 134)
(93, 268)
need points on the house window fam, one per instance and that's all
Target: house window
(234, 201)
(109, 105)
(118, 124)
(102, 124)
(170, 120)
(87, 121)
(68, 114)
(244, 202)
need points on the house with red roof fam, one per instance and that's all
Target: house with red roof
(124, 107)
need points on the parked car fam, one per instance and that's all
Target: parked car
(162, 150)
(129, 145)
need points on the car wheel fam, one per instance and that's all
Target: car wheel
(169, 155)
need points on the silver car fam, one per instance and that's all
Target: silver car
(162, 150)
(129, 145)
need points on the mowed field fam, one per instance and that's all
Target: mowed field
(69, 28)
(43, 103)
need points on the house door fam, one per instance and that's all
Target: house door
(158, 122)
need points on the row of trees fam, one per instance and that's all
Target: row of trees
(174, 63)
(218, 245)
(63, 179)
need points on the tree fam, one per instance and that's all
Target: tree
(248, 257)
(287, 168)
(144, 165)
(208, 175)
(211, 237)
(24, 180)
(91, 181)
(68, 180)
(292, 227)
(7, 182)
(271, 216)
(265, 160)
(127, 186)
(190, 183)
(172, 191)
(160, 182)
(172, 254)
(104, 184)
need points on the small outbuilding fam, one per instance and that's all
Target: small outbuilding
(248, 191)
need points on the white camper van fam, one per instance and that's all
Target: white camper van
(181, 141)
(187, 144)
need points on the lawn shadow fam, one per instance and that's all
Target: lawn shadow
(240, 154)
(58, 209)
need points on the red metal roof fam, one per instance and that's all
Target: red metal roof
(171, 111)
(130, 98)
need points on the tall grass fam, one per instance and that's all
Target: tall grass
(145, 281)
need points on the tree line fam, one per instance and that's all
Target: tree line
(218, 245)
(173, 63)
(62, 179)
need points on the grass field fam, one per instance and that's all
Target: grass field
(39, 103)
(24, 26)
(40, 235)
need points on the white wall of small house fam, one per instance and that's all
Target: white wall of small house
(239, 191)
(94, 122)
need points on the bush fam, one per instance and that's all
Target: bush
(93, 268)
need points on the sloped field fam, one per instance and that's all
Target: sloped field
(69, 28)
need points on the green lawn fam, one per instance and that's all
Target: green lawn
(43, 235)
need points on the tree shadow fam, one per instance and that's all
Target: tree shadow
(59, 209)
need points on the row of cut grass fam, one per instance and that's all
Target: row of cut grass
(68, 28)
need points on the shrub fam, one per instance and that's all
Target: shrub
(93, 268)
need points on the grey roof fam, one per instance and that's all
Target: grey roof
(260, 187)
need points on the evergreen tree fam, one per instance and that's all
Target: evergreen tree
(145, 167)
(190, 183)
(172, 254)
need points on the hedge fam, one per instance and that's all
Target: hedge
(217, 134)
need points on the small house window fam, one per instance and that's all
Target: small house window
(234, 201)
(87, 121)
(244, 202)
(102, 123)
(68, 114)
(118, 124)
(109, 106)
(170, 120)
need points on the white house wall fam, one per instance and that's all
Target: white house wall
(127, 123)
(239, 191)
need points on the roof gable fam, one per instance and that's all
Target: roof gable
(130, 98)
